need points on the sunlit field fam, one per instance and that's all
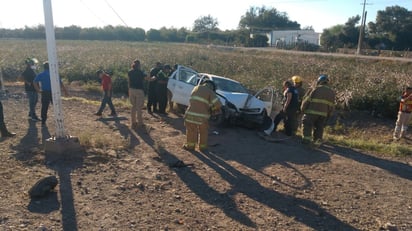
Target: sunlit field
(369, 85)
(366, 84)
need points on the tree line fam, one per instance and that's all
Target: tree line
(391, 30)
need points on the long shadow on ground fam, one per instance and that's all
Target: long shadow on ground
(305, 211)
(400, 169)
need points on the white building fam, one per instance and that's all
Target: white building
(288, 37)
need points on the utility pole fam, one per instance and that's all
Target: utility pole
(361, 29)
(61, 142)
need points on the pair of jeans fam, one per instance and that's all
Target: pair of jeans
(1, 114)
(289, 120)
(46, 99)
(33, 98)
(151, 97)
(107, 99)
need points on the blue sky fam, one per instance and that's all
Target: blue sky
(182, 13)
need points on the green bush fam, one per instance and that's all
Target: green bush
(120, 85)
(381, 99)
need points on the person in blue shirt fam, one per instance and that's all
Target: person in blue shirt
(42, 84)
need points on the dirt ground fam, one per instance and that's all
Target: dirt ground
(125, 179)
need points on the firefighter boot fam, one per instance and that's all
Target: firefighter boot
(4, 132)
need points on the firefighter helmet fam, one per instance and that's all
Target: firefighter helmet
(323, 79)
(296, 79)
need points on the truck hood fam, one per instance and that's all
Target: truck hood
(244, 102)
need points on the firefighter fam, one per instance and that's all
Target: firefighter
(317, 107)
(298, 84)
(203, 104)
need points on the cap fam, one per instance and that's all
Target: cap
(46, 65)
(31, 61)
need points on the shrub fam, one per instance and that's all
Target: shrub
(120, 85)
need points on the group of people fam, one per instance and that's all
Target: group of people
(309, 109)
(313, 108)
(138, 82)
(35, 84)
(157, 92)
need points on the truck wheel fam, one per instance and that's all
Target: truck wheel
(219, 120)
(181, 108)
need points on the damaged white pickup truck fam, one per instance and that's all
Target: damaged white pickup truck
(240, 107)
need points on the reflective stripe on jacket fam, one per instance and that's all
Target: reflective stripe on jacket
(406, 104)
(321, 101)
(202, 101)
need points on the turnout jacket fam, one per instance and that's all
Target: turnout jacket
(320, 101)
(202, 101)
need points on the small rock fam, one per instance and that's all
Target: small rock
(42, 228)
(43, 186)
(389, 226)
(140, 186)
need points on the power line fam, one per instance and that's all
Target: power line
(94, 14)
(116, 13)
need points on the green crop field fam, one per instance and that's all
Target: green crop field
(371, 85)
(365, 84)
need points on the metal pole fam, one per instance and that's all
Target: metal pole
(361, 29)
(54, 70)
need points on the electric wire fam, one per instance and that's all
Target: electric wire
(92, 12)
(121, 19)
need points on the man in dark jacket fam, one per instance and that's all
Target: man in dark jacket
(151, 91)
(28, 76)
(161, 88)
(136, 79)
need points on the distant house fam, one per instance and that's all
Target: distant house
(280, 38)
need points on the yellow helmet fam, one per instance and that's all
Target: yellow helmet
(296, 79)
